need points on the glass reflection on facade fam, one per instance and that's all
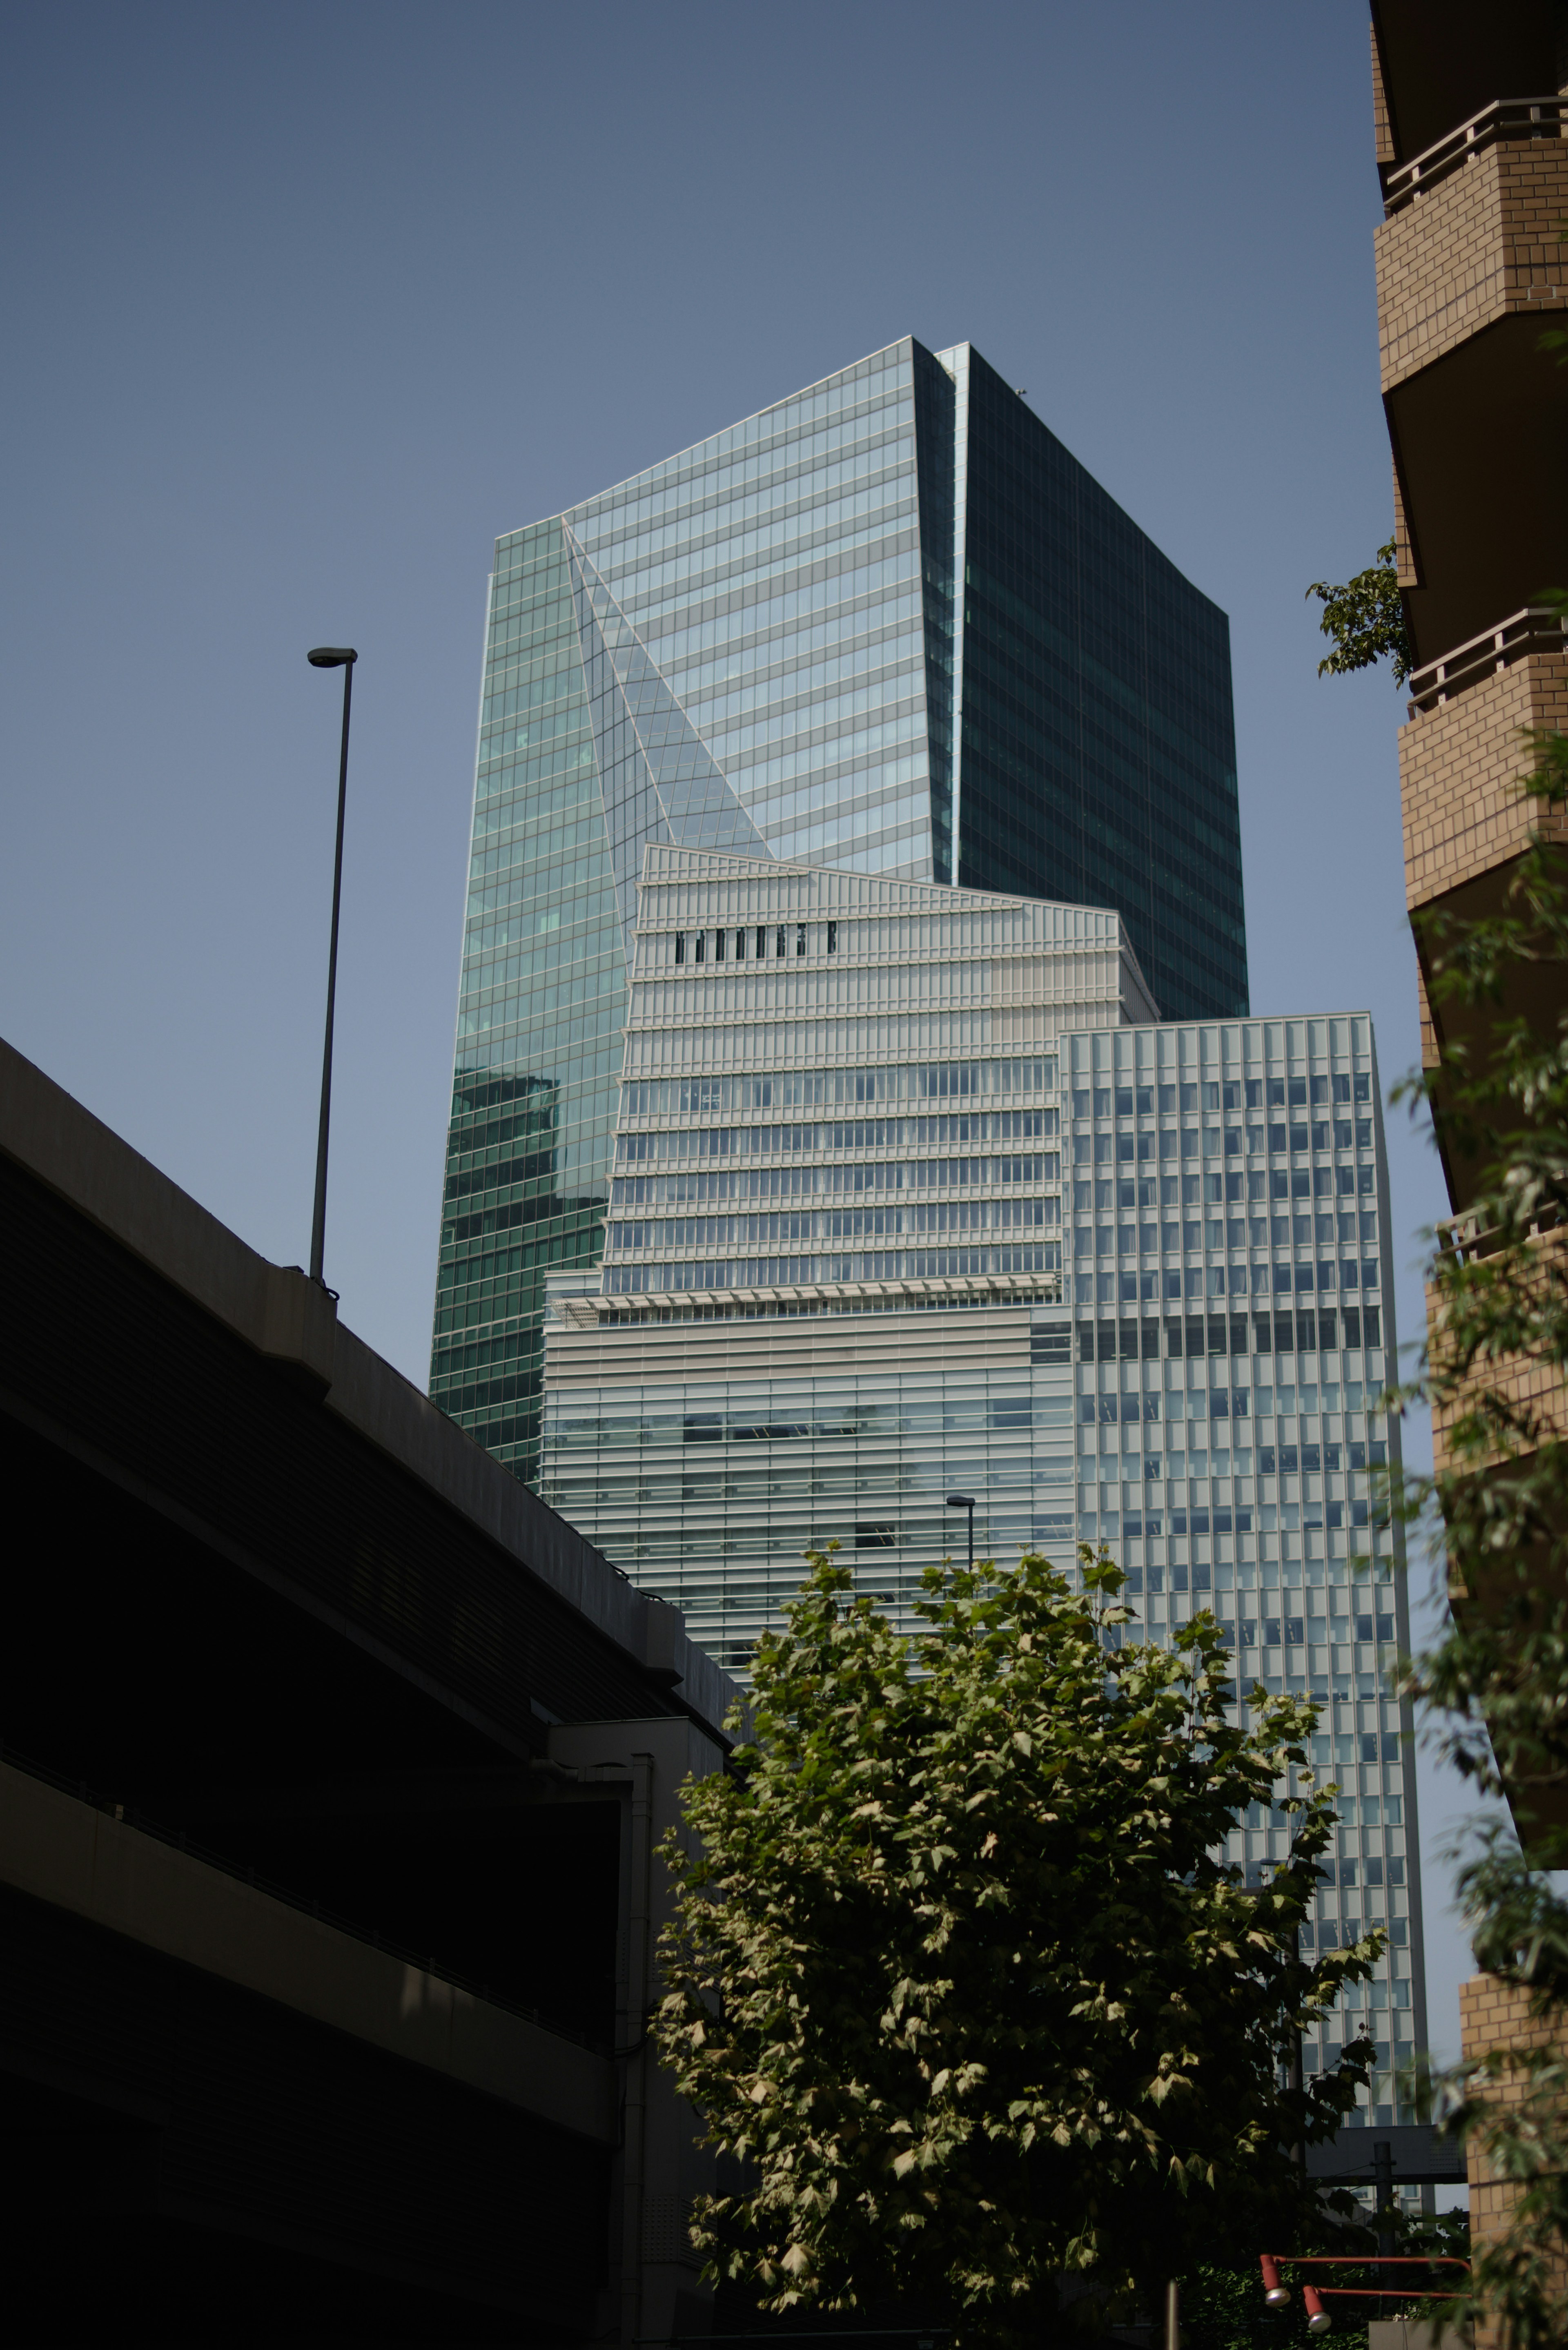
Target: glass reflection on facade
(1233, 1284)
(1095, 744)
(889, 613)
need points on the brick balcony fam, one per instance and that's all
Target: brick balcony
(1492, 2015)
(1533, 1386)
(1459, 764)
(1471, 272)
(1478, 245)
(1465, 823)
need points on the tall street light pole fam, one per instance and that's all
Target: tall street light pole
(965, 1502)
(342, 657)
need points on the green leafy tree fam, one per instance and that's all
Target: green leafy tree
(958, 1974)
(1365, 620)
(1495, 1685)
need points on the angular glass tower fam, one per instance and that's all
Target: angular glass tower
(890, 625)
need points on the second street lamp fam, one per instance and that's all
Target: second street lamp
(965, 1502)
(342, 657)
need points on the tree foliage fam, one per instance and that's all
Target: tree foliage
(958, 1972)
(1496, 1684)
(1365, 620)
(1223, 2309)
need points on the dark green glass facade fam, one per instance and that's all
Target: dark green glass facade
(539, 1020)
(1098, 752)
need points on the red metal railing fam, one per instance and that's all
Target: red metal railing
(1318, 2319)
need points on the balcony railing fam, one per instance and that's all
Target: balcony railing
(1466, 1237)
(1505, 119)
(1538, 628)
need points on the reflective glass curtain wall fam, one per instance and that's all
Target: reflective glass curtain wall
(540, 1012)
(1096, 753)
(1231, 1277)
(891, 603)
(727, 650)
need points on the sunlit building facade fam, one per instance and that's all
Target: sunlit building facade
(1232, 1328)
(888, 625)
(840, 1110)
(912, 1195)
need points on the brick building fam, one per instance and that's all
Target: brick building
(1471, 126)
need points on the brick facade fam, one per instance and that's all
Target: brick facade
(1492, 2014)
(1430, 1054)
(1530, 1385)
(1460, 766)
(1480, 245)
(1383, 137)
(1477, 248)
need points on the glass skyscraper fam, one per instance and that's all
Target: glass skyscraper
(890, 625)
(911, 1195)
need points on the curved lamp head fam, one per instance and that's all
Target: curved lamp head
(332, 657)
(961, 1501)
(1275, 2293)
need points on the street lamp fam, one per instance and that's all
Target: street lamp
(1296, 2082)
(965, 1502)
(342, 657)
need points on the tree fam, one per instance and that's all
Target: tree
(1495, 1686)
(1366, 621)
(958, 1970)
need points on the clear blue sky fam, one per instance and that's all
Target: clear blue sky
(304, 304)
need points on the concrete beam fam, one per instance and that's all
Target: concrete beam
(61, 1850)
(1421, 2158)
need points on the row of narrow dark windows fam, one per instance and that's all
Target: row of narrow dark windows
(716, 946)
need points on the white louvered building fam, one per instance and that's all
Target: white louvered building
(833, 1254)
(914, 1194)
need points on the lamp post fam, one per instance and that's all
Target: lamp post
(1383, 2172)
(965, 1502)
(342, 657)
(1296, 2081)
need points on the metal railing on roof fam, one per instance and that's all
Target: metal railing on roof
(1538, 628)
(1505, 120)
(770, 1300)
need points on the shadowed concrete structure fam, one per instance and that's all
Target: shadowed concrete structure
(333, 1764)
